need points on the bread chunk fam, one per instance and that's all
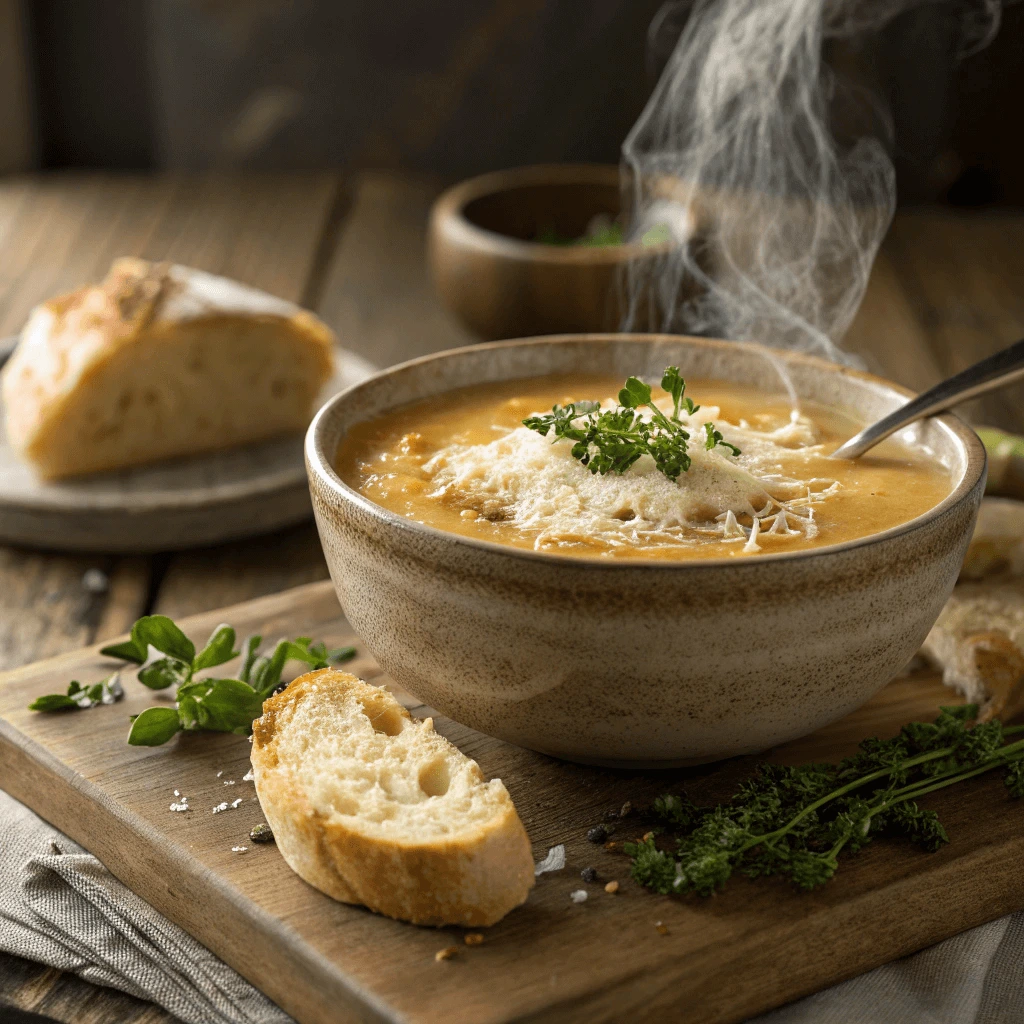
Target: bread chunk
(978, 639)
(156, 362)
(372, 807)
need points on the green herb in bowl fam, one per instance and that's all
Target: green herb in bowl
(602, 231)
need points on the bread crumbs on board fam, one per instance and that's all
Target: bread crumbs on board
(446, 954)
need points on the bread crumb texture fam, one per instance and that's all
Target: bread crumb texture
(371, 806)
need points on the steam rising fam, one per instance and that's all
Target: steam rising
(770, 171)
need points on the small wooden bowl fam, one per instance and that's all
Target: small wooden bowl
(494, 275)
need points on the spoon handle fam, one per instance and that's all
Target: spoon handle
(986, 375)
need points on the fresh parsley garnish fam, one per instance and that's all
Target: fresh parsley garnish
(795, 821)
(226, 704)
(611, 440)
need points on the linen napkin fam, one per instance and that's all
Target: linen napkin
(60, 906)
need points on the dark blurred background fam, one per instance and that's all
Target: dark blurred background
(453, 88)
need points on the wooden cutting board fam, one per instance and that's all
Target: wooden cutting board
(749, 949)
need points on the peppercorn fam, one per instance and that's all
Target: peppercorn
(262, 833)
(598, 834)
(589, 874)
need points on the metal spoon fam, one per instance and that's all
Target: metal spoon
(987, 375)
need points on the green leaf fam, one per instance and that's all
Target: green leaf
(230, 706)
(339, 655)
(164, 673)
(127, 651)
(1015, 779)
(219, 649)
(160, 632)
(54, 702)
(155, 726)
(673, 383)
(635, 394)
(266, 672)
(251, 647)
(219, 705)
(657, 234)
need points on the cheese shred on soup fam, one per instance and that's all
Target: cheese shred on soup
(464, 463)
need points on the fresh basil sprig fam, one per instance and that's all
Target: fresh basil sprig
(166, 657)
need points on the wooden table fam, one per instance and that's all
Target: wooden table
(947, 288)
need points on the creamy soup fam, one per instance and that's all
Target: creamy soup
(465, 463)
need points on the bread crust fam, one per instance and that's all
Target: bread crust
(473, 878)
(79, 345)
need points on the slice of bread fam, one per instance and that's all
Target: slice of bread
(159, 361)
(372, 807)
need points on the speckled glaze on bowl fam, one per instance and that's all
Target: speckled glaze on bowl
(637, 664)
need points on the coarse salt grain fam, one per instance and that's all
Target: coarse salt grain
(554, 861)
(180, 806)
(239, 849)
(219, 774)
(235, 803)
(579, 896)
(220, 807)
(247, 777)
(229, 782)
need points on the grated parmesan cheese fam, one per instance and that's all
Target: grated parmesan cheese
(536, 485)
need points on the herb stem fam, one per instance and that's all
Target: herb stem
(835, 794)
(1003, 756)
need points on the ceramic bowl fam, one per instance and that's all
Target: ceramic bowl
(637, 664)
(493, 274)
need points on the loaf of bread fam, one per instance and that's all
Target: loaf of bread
(156, 362)
(372, 807)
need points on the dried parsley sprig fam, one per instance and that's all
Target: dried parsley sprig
(795, 821)
(610, 441)
(226, 704)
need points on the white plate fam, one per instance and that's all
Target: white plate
(169, 506)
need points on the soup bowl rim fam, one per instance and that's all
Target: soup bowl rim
(322, 466)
